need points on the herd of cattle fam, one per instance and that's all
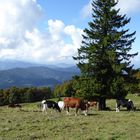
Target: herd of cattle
(78, 104)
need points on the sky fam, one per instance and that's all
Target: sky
(50, 31)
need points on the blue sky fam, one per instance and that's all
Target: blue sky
(49, 31)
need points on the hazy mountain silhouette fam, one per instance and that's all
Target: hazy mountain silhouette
(36, 76)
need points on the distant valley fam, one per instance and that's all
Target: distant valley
(22, 74)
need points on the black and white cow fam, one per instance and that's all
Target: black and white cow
(50, 104)
(124, 103)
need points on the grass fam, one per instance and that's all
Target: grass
(31, 124)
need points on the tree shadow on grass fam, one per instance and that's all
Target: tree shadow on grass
(137, 110)
(26, 110)
(125, 110)
(93, 114)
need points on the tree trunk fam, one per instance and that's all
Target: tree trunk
(102, 104)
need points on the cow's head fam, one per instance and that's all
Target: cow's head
(43, 102)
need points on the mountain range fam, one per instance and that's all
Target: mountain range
(23, 74)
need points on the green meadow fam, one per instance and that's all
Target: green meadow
(30, 123)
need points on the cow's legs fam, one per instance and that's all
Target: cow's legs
(67, 111)
(117, 108)
(44, 109)
(85, 112)
(76, 111)
(132, 106)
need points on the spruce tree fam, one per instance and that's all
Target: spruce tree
(104, 57)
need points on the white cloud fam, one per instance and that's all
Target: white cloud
(16, 17)
(75, 34)
(129, 6)
(21, 39)
(55, 28)
(87, 10)
(46, 47)
(51, 46)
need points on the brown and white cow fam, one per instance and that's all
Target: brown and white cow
(77, 103)
(92, 103)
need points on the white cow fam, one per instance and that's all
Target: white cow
(61, 105)
(44, 106)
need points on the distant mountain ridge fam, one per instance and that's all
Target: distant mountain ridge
(36, 76)
(11, 64)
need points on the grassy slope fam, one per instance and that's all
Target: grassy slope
(29, 124)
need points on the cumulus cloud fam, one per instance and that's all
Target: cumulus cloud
(20, 38)
(16, 17)
(129, 6)
(75, 34)
(52, 46)
(55, 28)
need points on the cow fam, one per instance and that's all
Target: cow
(124, 103)
(77, 103)
(61, 105)
(50, 104)
(14, 106)
(92, 103)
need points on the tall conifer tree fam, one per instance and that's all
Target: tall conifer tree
(104, 57)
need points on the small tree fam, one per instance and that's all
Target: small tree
(14, 96)
(29, 95)
(1, 97)
(65, 89)
(104, 58)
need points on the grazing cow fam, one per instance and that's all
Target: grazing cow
(92, 103)
(18, 105)
(77, 103)
(14, 106)
(61, 105)
(50, 104)
(124, 103)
